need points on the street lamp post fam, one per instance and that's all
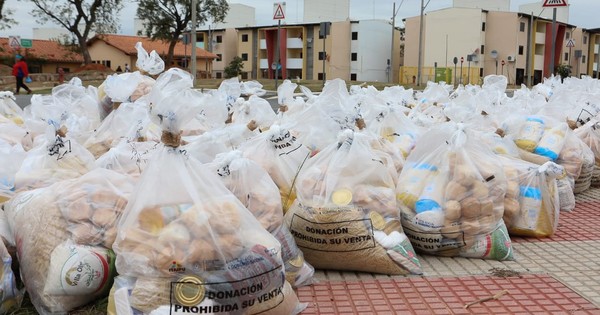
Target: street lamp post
(462, 59)
(455, 61)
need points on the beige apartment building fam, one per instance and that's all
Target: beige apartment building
(485, 42)
(353, 51)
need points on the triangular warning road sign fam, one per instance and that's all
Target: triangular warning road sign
(570, 43)
(279, 12)
(555, 3)
(14, 42)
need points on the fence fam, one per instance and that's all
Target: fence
(408, 75)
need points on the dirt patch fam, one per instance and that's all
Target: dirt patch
(504, 273)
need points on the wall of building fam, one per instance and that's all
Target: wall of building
(339, 51)
(227, 49)
(100, 51)
(454, 32)
(579, 59)
(373, 49)
(246, 49)
(504, 36)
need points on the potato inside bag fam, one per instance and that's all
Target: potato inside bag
(452, 197)
(185, 239)
(346, 216)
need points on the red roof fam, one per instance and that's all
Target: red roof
(49, 50)
(126, 44)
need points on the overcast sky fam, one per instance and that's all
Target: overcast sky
(583, 13)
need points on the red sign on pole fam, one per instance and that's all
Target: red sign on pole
(555, 3)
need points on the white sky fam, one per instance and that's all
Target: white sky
(583, 13)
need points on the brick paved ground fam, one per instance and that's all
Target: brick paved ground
(556, 275)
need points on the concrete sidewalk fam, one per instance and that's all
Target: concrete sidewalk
(556, 275)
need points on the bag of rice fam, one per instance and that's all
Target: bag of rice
(345, 216)
(590, 135)
(9, 109)
(451, 196)
(186, 239)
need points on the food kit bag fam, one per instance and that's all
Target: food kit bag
(57, 157)
(255, 109)
(584, 180)
(345, 216)
(64, 234)
(393, 125)
(451, 196)
(11, 158)
(590, 135)
(186, 242)
(280, 152)
(10, 295)
(9, 109)
(151, 63)
(128, 157)
(531, 206)
(253, 186)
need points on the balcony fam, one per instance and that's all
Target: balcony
(294, 63)
(264, 64)
(294, 43)
(540, 38)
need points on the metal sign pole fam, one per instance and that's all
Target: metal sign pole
(277, 54)
(552, 52)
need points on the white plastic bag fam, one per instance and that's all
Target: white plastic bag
(152, 63)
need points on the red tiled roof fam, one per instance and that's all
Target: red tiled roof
(49, 50)
(127, 45)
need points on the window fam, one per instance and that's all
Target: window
(566, 56)
(483, 26)
(584, 40)
(200, 37)
(244, 37)
(354, 35)
(353, 56)
(218, 75)
(522, 27)
(245, 56)
(320, 76)
(568, 35)
(583, 59)
(481, 72)
(352, 76)
(321, 55)
(482, 49)
(219, 57)
(320, 36)
(219, 39)
(521, 50)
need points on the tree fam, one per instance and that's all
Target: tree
(5, 16)
(234, 68)
(80, 17)
(168, 19)
(563, 70)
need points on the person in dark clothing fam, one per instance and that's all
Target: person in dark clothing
(20, 72)
(119, 70)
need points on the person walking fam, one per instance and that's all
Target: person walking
(20, 72)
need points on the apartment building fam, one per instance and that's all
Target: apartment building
(485, 42)
(353, 50)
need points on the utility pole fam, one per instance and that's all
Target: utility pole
(277, 53)
(394, 13)
(194, 22)
(420, 44)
